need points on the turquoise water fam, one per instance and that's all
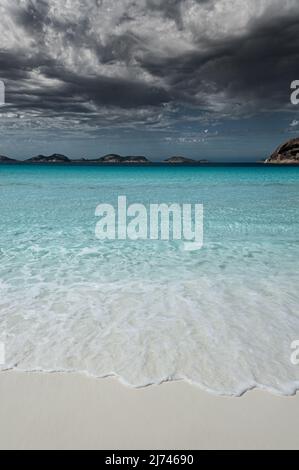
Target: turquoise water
(223, 317)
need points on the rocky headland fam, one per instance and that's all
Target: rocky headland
(286, 154)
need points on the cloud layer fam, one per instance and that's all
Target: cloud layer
(152, 64)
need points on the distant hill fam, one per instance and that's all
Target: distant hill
(6, 159)
(183, 161)
(114, 158)
(110, 159)
(55, 158)
(286, 154)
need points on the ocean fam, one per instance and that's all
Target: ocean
(223, 317)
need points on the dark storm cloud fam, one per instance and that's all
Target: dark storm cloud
(168, 8)
(24, 93)
(255, 69)
(32, 16)
(171, 8)
(74, 93)
(18, 66)
(81, 61)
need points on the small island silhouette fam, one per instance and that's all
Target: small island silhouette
(110, 159)
(285, 154)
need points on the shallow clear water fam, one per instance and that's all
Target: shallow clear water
(223, 317)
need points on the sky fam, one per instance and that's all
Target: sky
(204, 79)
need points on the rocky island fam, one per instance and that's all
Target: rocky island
(110, 159)
(286, 154)
(55, 158)
(6, 159)
(118, 159)
(184, 161)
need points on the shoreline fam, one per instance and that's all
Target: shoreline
(242, 392)
(74, 411)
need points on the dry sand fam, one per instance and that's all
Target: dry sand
(65, 411)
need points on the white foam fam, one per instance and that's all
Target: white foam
(227, 337)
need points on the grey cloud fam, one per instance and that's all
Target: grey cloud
(255, 69)
(33, 16)
(172, 9)
(248, 72)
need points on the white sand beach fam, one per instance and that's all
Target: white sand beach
(69, 411)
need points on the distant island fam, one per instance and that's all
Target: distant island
(55, 158)
(286, 154)
(118, 159)
(6, 159)
(111, 159)
(184, 161)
